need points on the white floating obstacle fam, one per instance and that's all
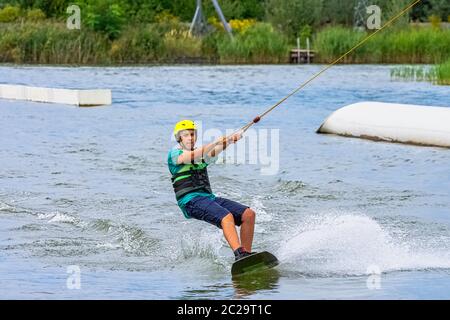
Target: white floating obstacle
(96, 97)
(411, 124)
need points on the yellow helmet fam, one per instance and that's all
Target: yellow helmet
(183, 125)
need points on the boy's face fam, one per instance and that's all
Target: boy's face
(188, 139)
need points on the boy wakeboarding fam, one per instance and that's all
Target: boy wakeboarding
(190, 181)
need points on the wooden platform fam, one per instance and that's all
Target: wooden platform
(294, 55)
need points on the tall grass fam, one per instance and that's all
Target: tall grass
(259, 43)
(411, 45)
(333, 42)
(138, 44)
(50, 43)
(413, 73)
(181, 45)
(439, 74)
(443, 73)
(156, 43)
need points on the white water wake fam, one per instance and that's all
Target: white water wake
(355, 244)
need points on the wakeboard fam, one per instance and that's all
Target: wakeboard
(255, 262)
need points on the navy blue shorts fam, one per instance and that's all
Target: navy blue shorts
(214, 210)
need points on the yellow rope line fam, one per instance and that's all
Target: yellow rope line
(244, 128)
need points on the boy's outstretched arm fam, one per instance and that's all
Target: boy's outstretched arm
(191, 156)
(227, 141)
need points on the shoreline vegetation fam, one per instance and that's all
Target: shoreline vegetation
(120, 32)
(52, 43)
(439, 74)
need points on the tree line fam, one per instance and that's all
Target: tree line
(288, 16)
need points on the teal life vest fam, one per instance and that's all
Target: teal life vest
(190, 178)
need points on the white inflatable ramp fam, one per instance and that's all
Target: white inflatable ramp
(82, 98)
(402, 123)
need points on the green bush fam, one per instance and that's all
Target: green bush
(435, 21)
(35, 15)
(51, 8)
(305, 32)
(290, 15)
(105, 16)
(166, 22)
(9, 14)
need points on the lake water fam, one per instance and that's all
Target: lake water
(89, 188)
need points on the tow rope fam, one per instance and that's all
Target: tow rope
(259, 117)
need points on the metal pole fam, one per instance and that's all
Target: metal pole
(222, 18)
(198, 24)
(307, 50)
(194, 21)
(298, 51)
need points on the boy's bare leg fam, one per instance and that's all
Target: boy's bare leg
(247, 229)
(229, 231)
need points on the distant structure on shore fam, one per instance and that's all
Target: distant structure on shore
(199, 24)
